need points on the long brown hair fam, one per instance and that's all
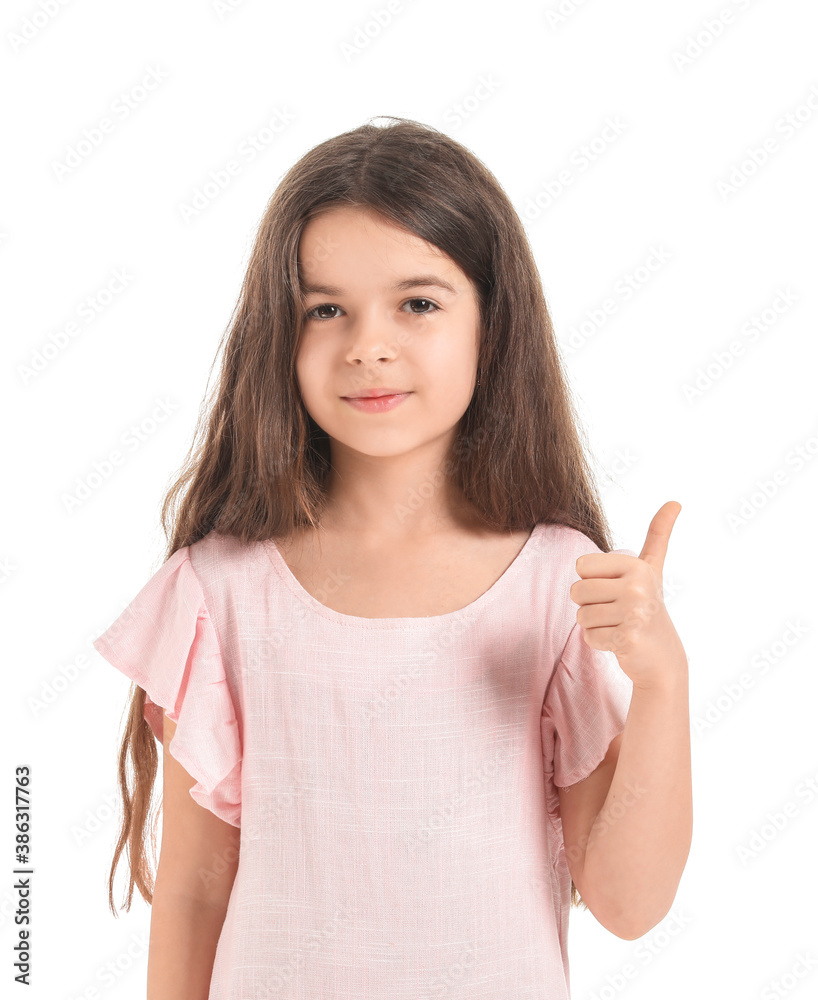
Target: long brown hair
(258, 462)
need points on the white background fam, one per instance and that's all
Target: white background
(531, 92)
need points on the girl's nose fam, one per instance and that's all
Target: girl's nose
(371, 339)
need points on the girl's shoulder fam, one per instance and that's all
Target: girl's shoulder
(217, 555)
(564, 544)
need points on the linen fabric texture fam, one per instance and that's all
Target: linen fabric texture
(394, 779)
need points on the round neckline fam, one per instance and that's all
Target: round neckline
(303, 595)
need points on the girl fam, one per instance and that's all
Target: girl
(362, 655)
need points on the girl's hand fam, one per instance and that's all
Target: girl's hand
(621, 607)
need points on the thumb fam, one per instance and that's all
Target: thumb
(656, 541)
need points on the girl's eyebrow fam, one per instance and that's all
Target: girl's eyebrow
(416, 281)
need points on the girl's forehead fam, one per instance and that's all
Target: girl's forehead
(363, 227)
(346, 246)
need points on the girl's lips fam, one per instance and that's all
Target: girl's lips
(376, 404)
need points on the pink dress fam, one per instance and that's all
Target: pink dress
(394, 779)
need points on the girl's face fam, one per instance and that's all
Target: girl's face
(377, 318)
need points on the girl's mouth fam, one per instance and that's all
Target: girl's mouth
(377, 404)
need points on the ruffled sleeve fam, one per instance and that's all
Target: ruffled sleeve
(585, 707)
(165, 641)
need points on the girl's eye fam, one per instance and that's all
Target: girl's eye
(435, 307)
(312, 314)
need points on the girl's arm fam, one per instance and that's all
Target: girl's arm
(197, 866)
(633, 850)
(629, 825)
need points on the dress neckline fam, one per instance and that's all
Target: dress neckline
(356, 621)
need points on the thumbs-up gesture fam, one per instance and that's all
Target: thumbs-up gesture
(621, 607)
